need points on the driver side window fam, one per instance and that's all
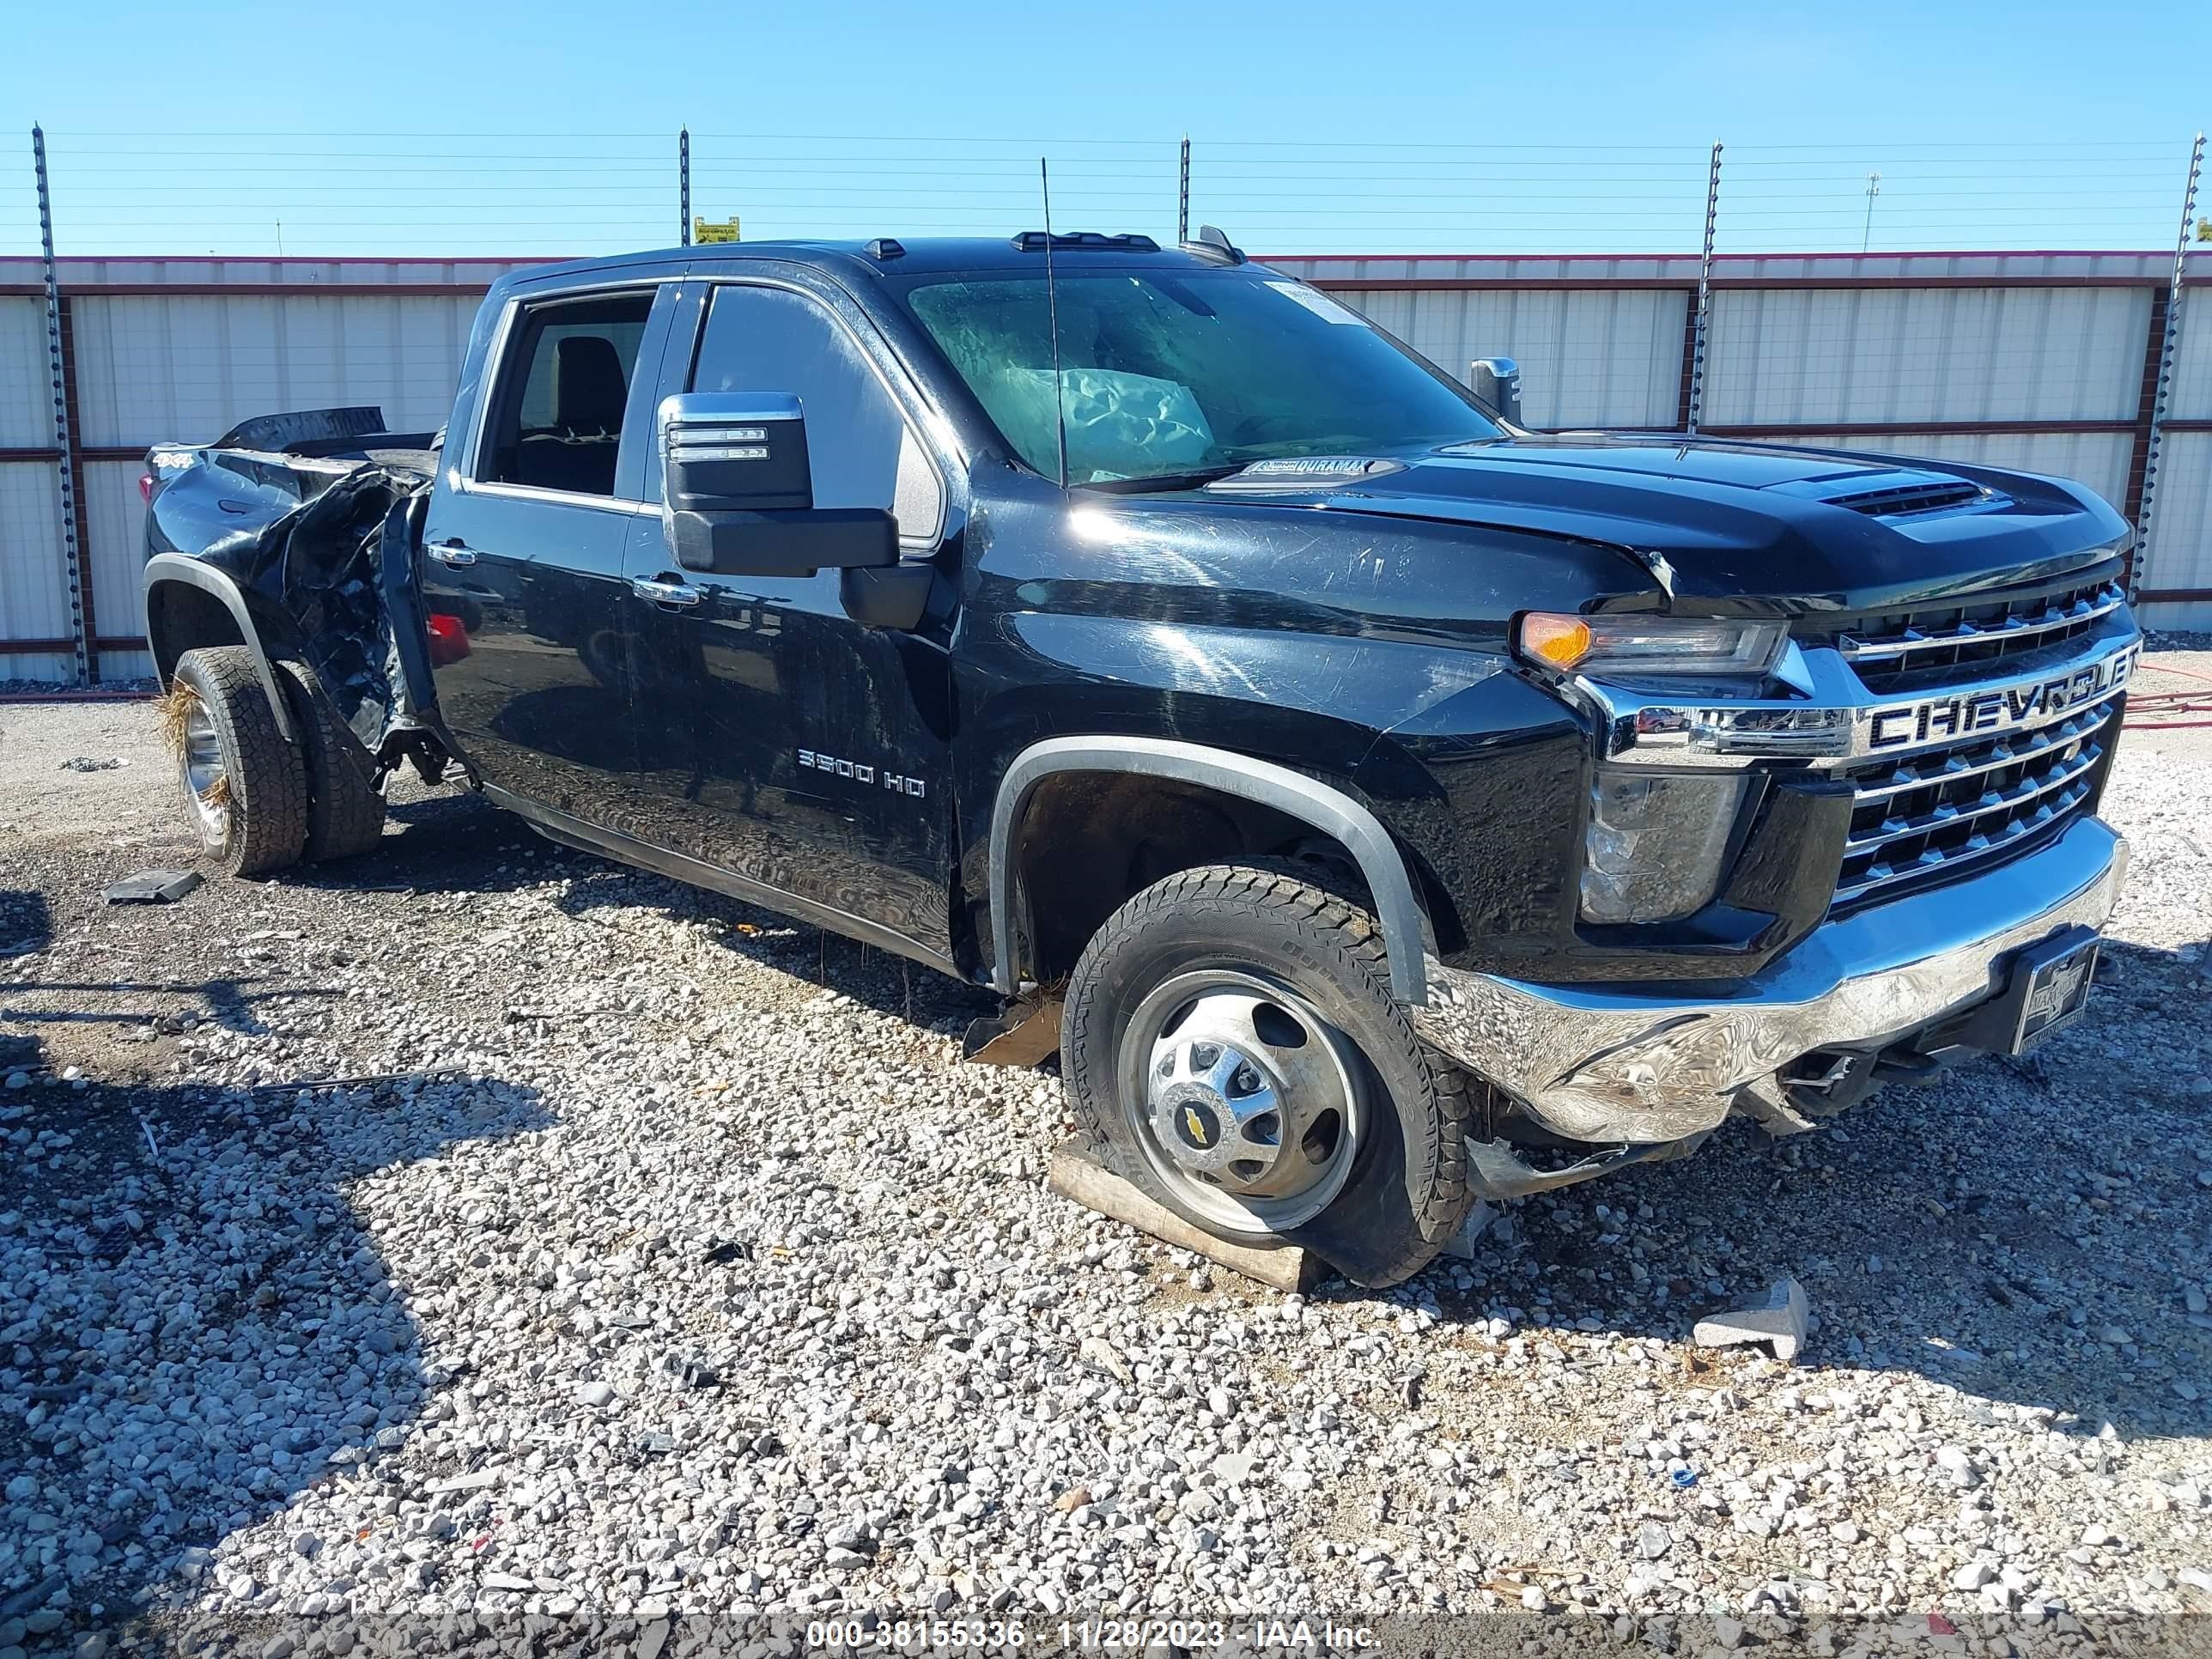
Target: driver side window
(862, 452)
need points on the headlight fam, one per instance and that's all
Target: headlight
(1684, 648)
(1656, 843)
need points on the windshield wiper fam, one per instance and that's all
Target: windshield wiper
(1159, 481)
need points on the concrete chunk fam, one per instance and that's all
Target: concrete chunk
(1778, 1317)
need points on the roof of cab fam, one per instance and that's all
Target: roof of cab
(922, 255)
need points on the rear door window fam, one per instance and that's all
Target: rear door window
(558, 418)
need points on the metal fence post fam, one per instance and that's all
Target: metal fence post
(683, 186)
(1183, 196)
(2162, 384)
(88, 660)
(1701, 322)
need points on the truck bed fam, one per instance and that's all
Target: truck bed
(312, 516)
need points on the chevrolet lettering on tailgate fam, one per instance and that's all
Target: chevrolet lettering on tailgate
(1999, 708)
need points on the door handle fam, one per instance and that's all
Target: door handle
(665, 593)
(454, 555)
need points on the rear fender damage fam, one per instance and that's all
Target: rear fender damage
(332, 584)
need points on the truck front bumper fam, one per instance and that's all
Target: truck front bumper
(1628, 1065)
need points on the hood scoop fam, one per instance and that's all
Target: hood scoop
(1898, 494)
(1301, 474)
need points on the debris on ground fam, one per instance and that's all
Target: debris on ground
(1778, 1317)
(87, 763)
(154, 887)
(1467, 1244)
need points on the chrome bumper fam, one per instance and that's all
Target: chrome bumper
(1615, 1063)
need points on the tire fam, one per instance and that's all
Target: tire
(1292, 977)
(345, 815)
(244, 785)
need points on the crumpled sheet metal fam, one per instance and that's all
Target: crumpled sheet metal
(1611, 1065)
(340, 568)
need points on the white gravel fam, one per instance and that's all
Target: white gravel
(666, 1258)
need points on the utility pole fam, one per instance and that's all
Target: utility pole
(2162, 388)
(1701, 322)
(1182, 198)
(1872, 189)
(80, 635)
(684, 187)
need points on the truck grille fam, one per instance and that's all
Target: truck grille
(1935, 814)
(1891, 648)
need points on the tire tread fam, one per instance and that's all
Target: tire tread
(1333, 913)
(268, 784)
(345, 815)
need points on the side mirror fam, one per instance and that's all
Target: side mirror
(738, 494)
(1496, 381)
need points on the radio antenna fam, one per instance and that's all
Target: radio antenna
(1052, 312)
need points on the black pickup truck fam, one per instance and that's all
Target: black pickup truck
(1400, 804)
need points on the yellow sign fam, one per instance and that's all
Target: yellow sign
(703, 232)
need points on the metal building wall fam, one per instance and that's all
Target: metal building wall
(1890, 356)
(2038, 361)
(2181, 528)
(1588, 356)
(169, 349)
(34, 585)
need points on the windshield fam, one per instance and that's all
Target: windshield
(1169, 374)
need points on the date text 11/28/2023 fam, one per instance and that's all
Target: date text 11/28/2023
(1114, 1635)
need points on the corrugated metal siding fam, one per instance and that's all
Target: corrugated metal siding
(1902, 269)
(191, 367)
(2098, 459)
(2180, 551)
(1588, 357)
(1794, 356)
(1533, 269)
(306, 274)
(2192, 363)
(27, 413)
(115, 529)
(34, 589)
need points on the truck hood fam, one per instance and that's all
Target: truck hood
(1788, 529)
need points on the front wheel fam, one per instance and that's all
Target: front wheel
(1232, 1048)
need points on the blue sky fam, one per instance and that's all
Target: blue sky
(549, 128)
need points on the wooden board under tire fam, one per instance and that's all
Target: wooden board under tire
(1282, 1267)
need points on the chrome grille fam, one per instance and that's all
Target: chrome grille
(1889, 648)
(1936, 813)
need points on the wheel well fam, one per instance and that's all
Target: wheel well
(1090, 841)
(180, 617)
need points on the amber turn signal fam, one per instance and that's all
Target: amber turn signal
(1562, 641)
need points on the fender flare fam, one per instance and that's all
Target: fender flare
(166, 568)
(1326, 808)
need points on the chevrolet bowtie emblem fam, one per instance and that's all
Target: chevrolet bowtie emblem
(1196, 1124)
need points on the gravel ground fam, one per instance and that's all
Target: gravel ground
(656, 1254)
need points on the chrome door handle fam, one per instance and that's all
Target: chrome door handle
(453, 554)
(665, 593)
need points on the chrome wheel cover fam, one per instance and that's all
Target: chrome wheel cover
(200, 757)
(1245, 1102)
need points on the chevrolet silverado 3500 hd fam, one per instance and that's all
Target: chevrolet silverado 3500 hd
(1405, 805)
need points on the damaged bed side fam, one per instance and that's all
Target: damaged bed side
(295, 536)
